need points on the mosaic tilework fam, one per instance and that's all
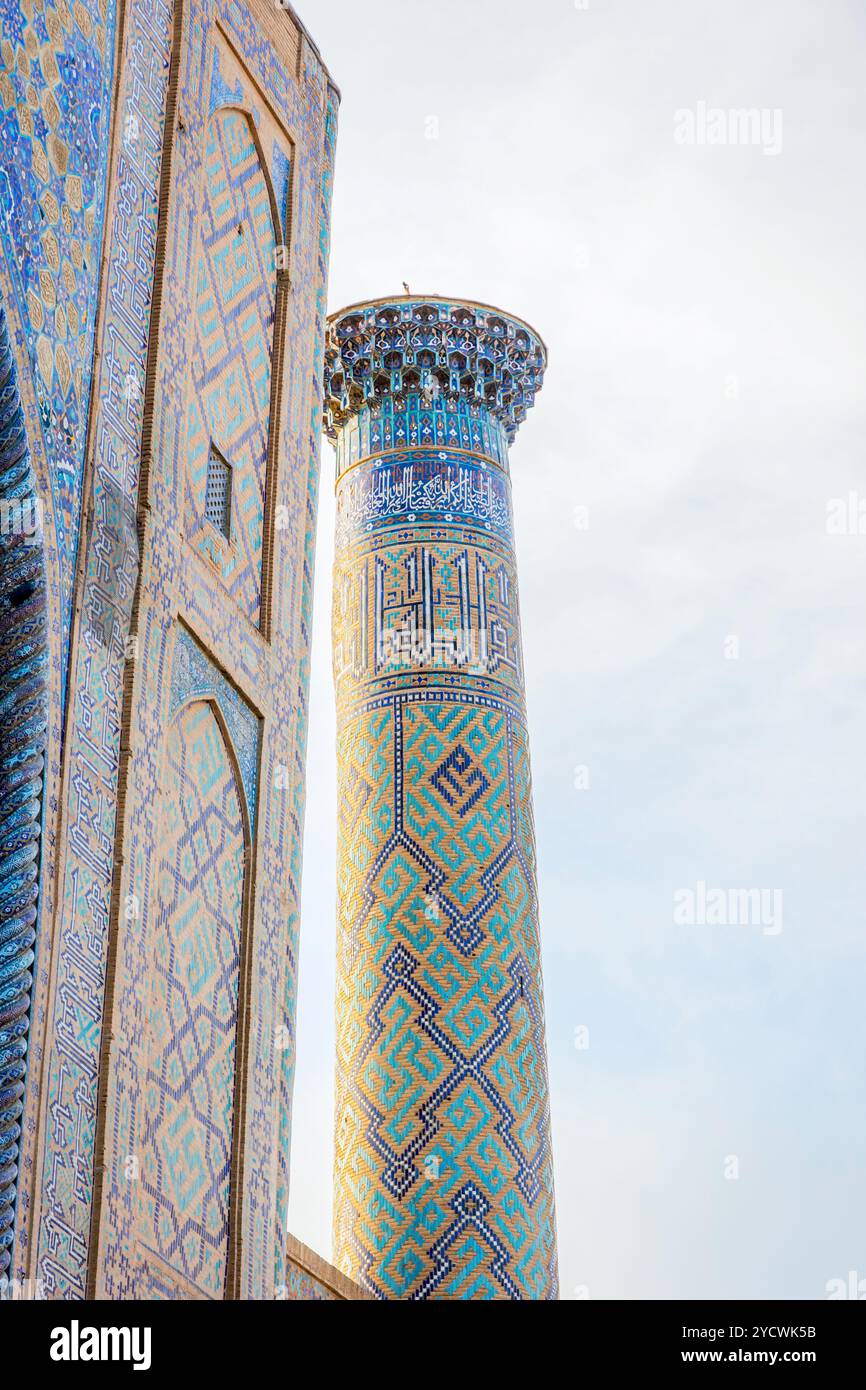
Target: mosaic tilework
(56, 76)
(423, 485)
(232, 351)
(56, 79)
(187, 1100)
(55, 1206)
(429, 420)
(443, 1171)
(223, 92)
(24, 723)
(193, 675)
(181, 590)
(188, 1085)
(66, 1106)
(321, 211)
(428, 608)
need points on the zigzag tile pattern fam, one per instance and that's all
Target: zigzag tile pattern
(441, 1057)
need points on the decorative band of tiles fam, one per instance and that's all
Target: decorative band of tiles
(421, 421)
(424, 486)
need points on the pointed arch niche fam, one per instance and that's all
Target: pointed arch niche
(240, 289)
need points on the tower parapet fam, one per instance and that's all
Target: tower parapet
(428, 372)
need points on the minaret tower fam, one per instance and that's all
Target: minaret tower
(443, 1170)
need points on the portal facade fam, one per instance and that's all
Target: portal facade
(165, 208)
(443, 1170)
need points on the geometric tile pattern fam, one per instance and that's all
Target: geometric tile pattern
(230, 403)
(412, 422)
(62, 1111)
(440, 1039)
(194, 676)
(443, 1172)
(186, 1131)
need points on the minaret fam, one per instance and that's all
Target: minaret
(443, 1170)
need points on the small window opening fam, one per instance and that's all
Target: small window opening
(218, 495)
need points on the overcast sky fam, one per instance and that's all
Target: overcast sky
(694, 624)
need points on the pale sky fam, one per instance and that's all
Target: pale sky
(694, 637)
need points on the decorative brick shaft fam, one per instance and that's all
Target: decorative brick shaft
(444, 1181)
